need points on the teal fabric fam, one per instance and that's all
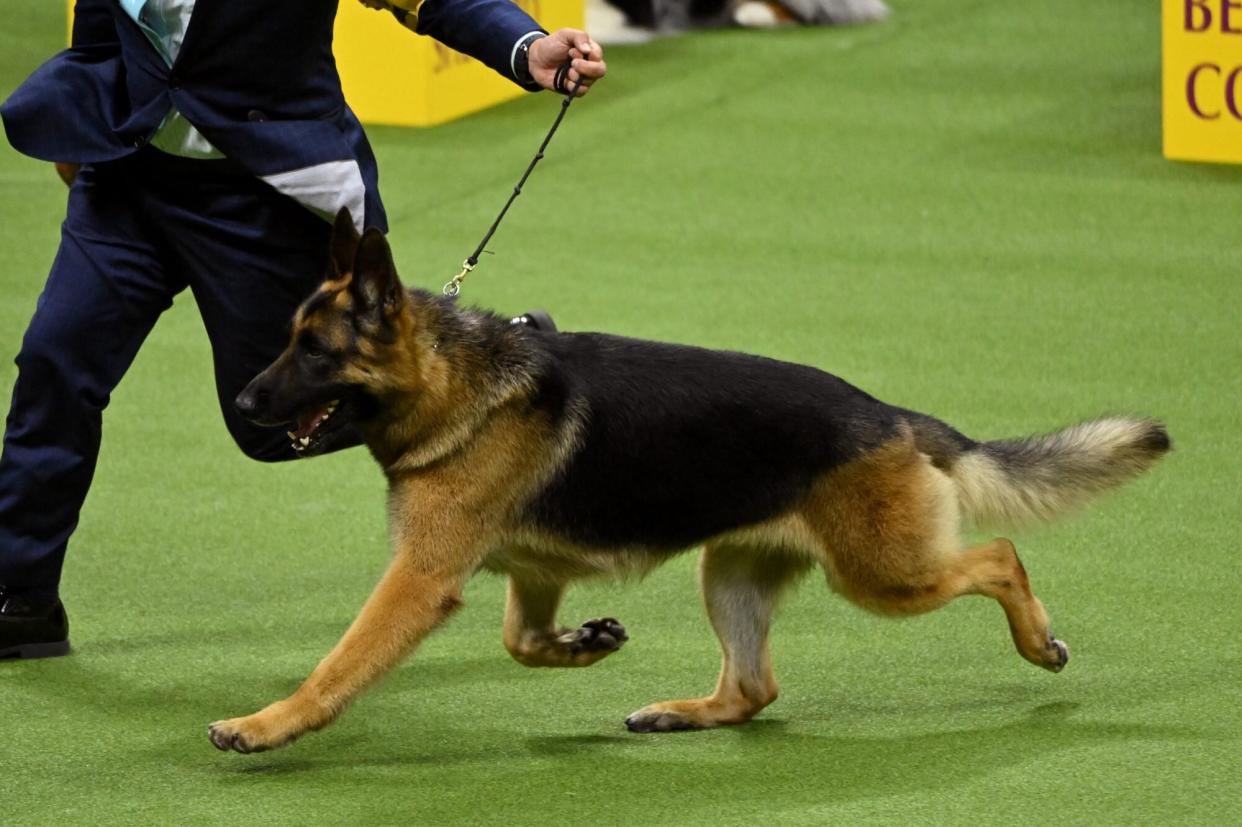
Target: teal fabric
(152, 22)
(164, 22)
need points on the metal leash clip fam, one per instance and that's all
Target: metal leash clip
(453, 286)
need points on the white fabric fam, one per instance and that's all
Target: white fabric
(177, 136)
(325, 188)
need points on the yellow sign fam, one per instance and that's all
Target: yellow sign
(1203, 80)
(392, 76)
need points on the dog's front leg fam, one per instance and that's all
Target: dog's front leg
(533, 638)
(407, 604)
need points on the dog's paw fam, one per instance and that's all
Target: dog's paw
(234, 735)
(1056, 655)
(654, 719)
(270, 728)
(605, 634)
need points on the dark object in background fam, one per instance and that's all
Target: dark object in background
(683, 15)
(644, 12)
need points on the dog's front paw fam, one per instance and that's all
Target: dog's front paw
(270, 728)
(605, 634)
(237, 734)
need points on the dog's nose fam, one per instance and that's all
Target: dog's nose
(251, 401)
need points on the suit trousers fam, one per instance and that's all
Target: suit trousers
(137, 232)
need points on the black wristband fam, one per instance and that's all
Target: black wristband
(521, 62)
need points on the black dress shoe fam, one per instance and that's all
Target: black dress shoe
(538, 319)
(31, 629)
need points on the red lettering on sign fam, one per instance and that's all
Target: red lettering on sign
(1231, 93)
(1197, 16)
(1191, 98)
(1227, 6)
(1206, 19)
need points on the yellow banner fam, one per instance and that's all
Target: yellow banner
(1203, 80)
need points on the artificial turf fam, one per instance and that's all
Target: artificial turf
(963, 210)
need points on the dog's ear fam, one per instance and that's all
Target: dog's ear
(344, 242)
(378, 294)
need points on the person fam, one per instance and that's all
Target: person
(213, 141)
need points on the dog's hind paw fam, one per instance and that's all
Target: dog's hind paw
(1057, 655)
(605, 634)
(652, 719)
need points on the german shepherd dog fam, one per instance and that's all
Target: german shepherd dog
(555, 456)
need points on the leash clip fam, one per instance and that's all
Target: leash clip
(453, 286)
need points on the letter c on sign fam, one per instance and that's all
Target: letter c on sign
(1190, 89)
(1231, 93)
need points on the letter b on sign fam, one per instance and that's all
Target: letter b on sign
(1198, 16)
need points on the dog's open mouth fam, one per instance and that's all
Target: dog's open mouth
(315, 425)
(333, 424)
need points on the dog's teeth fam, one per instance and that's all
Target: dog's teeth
(291, 435)
(304, 441)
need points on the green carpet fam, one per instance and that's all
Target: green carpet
(963, 210)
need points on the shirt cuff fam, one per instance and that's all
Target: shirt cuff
(518, 61)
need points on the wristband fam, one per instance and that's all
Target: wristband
(521, 61)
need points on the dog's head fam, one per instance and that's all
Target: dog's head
(344, 348)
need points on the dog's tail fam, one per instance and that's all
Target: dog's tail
(1015, 482)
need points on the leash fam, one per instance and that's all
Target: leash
(561, 83)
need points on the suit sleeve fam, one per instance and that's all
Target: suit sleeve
(487, 30)
(93, 25)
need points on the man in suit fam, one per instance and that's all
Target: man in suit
(214, 141)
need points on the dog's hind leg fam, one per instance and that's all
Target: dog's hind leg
(994, 570)
(740, 587)
(533, 638)
(889, 531)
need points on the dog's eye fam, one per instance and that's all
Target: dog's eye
(311, 349)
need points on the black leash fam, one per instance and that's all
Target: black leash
(562, 84)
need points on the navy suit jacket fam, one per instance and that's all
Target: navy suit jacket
(257, 79)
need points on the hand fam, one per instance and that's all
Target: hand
(67, 172)
(548, 53)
